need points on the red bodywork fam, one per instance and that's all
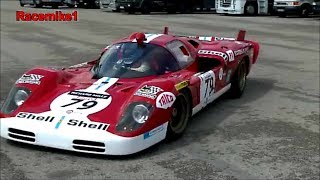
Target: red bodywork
(56, 82)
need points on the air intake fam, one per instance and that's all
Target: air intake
(89, 146)
(21, 135)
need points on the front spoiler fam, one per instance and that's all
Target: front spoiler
(87, 141)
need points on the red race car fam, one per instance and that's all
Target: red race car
(141, 90)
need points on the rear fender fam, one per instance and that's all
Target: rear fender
(256, 50)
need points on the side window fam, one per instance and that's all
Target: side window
(180, 52)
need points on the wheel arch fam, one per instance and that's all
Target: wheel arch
(247, 62)
(308, 5)
(187, 91)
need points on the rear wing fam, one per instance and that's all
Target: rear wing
(240, 37)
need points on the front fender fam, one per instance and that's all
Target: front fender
(150, 92)
(39, 81)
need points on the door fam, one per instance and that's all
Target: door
(212, 77)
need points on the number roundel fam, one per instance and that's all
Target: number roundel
(81, 102)
(207, 87)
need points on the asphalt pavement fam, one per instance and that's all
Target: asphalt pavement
(272, 132)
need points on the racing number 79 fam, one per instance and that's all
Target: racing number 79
(85, 105)
(209, 86)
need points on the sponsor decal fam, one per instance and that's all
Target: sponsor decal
(165, 100)
(89, 94)
(181, 85)
(228, 75)
(223, 38)
(241, 51)
(207, 87)
(69, 111)
(52, 16)
(71, 122)
(29, 79)
(205, 38)
(90, 125)
(220, 74)
(216, 53)
(148, 91)
(59, 122)
(85, 101)
(106, 81)
(153, 132)
(230, 55)
(32, 116)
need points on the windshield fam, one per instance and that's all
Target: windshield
(133, 60)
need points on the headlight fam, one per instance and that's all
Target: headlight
(17, 96)
(134, 117)
(140, 113)
(20, 97)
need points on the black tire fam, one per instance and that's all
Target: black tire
(251, 9)
(305, 11)
(185, 7)
(131, 11)
(283, 14)
(239, 81)
(38, 3)
(21, 4)
(145, 9)
(172, 9)
(96, 4)
(181, 113)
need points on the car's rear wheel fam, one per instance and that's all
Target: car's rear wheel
(239, 81)
(181, 112)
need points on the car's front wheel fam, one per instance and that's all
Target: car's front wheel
(239, 81)
(181, 112)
